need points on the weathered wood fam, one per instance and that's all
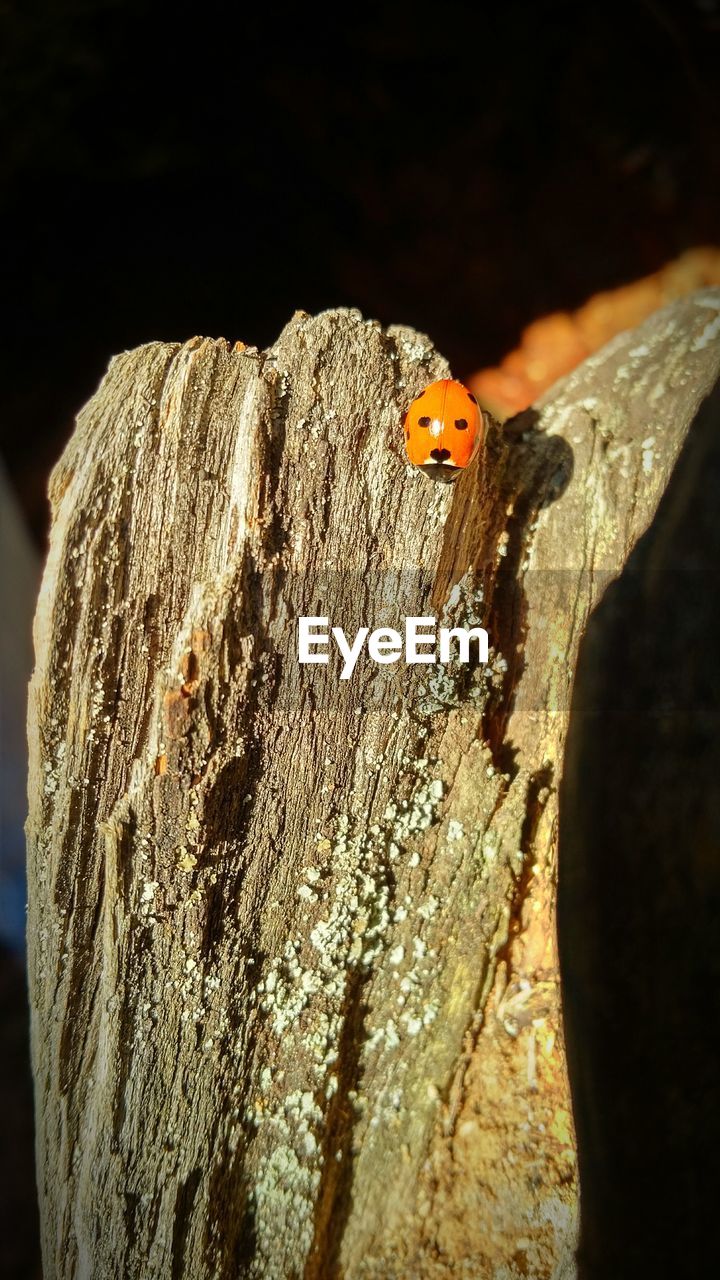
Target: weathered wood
(292, 960)
(639, 891)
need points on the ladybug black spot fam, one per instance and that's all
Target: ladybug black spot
(472, 397)
(461, 424)
(423, 422)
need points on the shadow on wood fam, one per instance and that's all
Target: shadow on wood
(639, 891)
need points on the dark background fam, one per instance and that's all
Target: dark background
(175, 170)
(171, 171)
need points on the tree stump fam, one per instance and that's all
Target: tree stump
(295, 1001)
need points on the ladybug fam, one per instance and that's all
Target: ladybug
(444, 429)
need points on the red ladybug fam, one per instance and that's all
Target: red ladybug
(444, 429)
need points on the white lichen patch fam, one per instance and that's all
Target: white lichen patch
(52, 768)
(648, 454)
(348, 935)
(416, 349)
(284, 1193)
(186, 859)
(489, 846)
(407, 818)
(303, 991)
(708, 335)
(451, 684)
(427, 909)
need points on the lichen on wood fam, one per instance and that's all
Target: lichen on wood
(292, 962)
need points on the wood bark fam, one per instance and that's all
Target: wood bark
(295, 1004)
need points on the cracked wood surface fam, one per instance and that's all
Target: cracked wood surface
(293, 975)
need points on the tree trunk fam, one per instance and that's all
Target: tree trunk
(292, 960)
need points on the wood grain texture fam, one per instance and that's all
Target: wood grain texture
(639, 891)
(292, 961)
